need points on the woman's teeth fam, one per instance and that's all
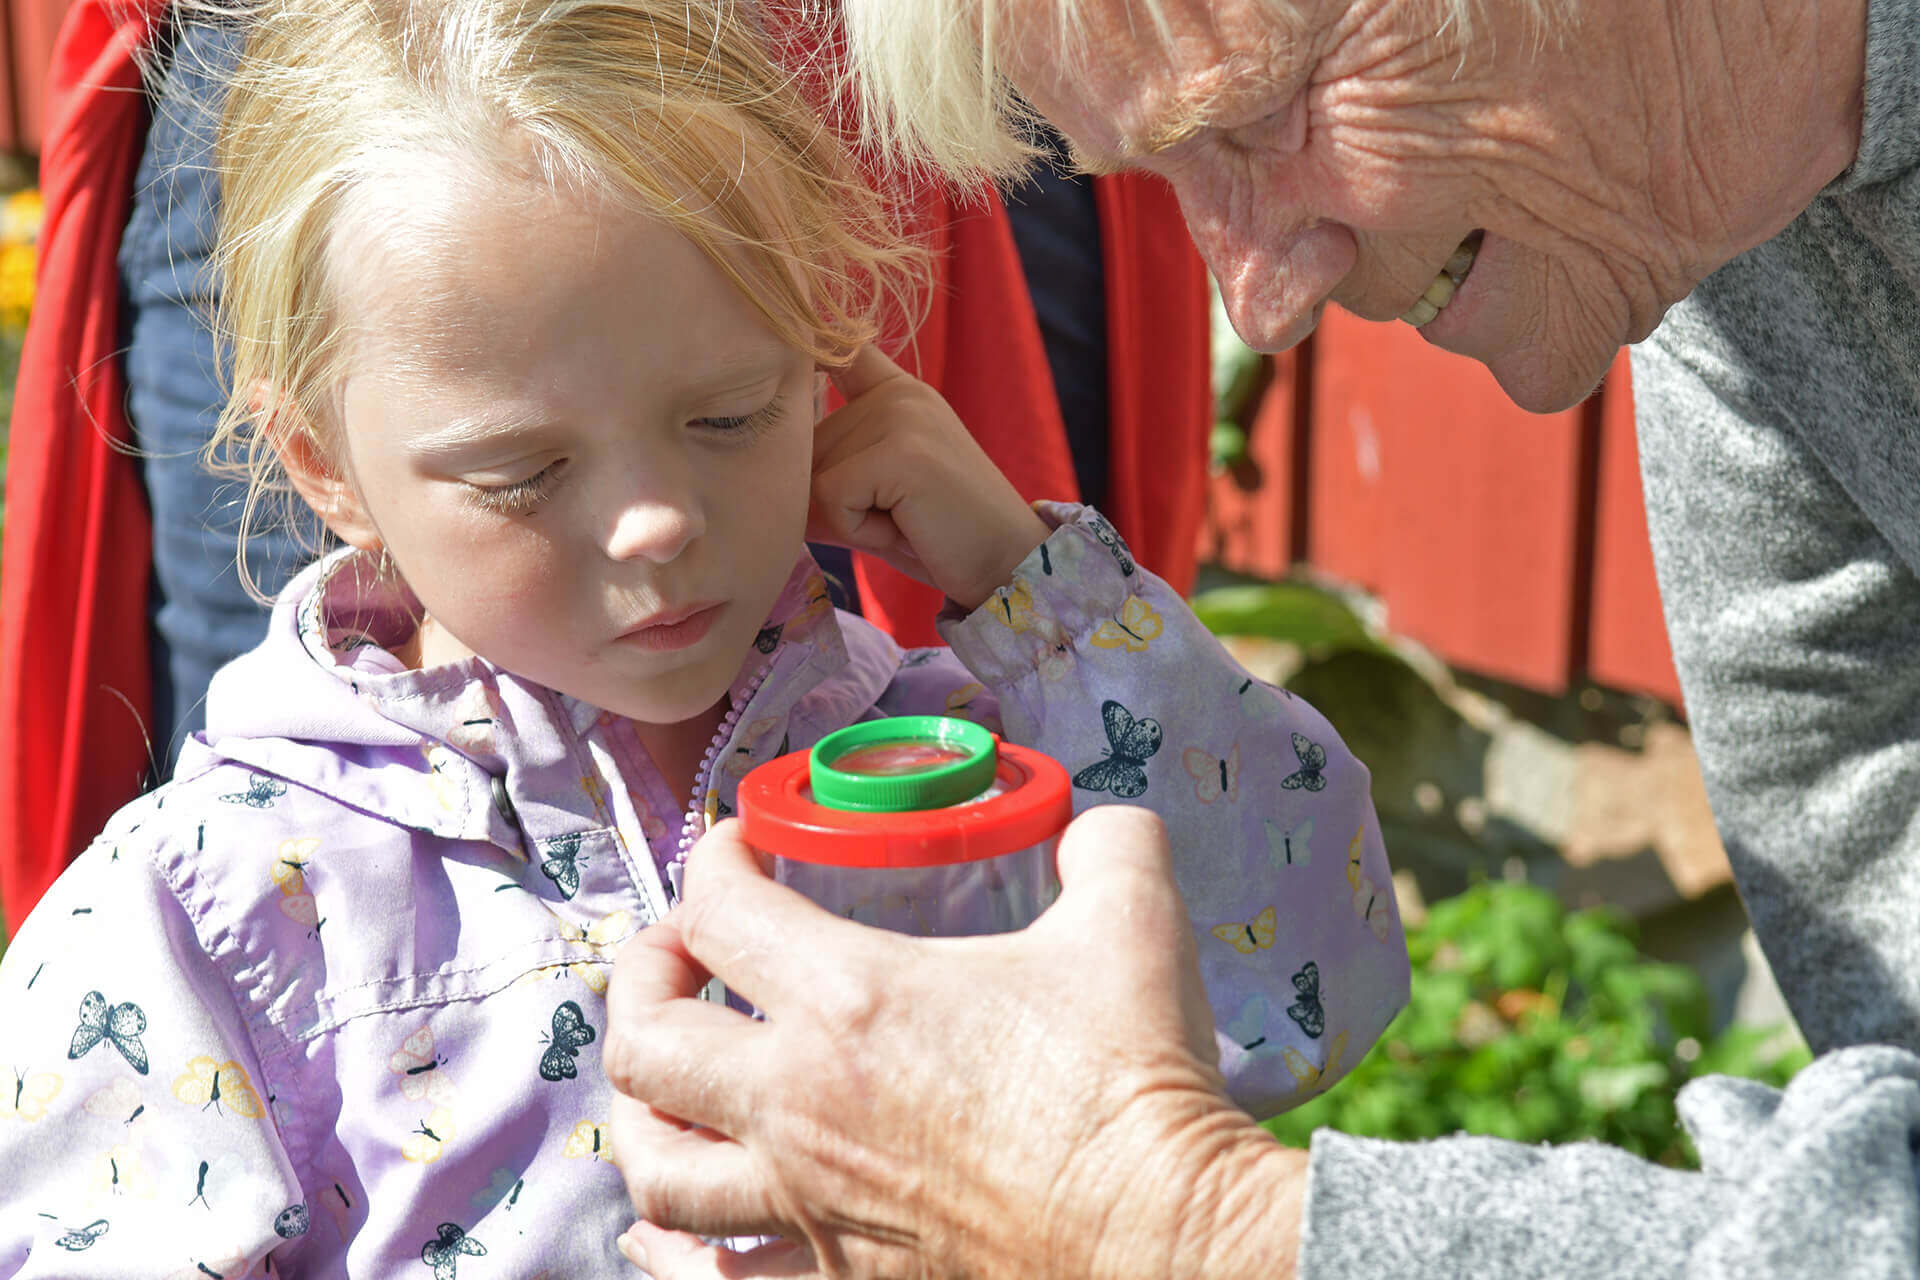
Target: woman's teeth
(1445, 285)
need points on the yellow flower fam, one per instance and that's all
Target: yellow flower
(16, 284)
(20, 217)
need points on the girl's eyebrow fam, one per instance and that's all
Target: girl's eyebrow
(729, 375)
(468, 430)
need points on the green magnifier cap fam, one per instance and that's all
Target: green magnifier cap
(902, 764)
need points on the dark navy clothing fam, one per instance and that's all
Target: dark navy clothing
(1056, 228)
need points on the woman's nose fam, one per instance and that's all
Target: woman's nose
(1275, 269)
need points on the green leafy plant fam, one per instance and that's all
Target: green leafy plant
(1531, 1023)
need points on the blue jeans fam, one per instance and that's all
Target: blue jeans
(199, 615)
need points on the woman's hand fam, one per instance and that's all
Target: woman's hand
(896, 474)
(1043, 1103)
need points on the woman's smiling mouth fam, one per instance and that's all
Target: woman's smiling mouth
(1446, 284)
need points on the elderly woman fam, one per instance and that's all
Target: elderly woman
(1532, 183)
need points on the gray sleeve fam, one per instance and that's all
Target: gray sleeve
(1815, 1181)
(1780, 450)
(1890, 123)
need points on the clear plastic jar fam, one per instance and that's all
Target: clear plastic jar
(920, 824)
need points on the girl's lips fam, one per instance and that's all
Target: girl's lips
(676, 633)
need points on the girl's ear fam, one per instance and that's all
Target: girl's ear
(319, 481)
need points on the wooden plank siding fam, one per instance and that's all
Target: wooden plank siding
(1510, 543)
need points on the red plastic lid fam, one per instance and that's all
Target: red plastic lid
(780, 818)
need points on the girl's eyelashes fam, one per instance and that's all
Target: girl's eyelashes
(747, 424)
(520, 497)
(523, 496)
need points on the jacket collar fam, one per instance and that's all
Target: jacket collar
(468, 751)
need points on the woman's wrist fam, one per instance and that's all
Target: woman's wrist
(1200, 1191)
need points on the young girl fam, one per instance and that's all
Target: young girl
(528, 304)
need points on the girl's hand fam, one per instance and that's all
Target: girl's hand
(896, 474)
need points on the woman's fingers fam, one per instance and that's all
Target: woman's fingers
(762, 939)
(696, 1179)
(677, 1255)
(669, 1051)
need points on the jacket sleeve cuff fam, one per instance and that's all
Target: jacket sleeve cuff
(1082, 574)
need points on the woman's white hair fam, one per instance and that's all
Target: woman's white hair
(929, 91)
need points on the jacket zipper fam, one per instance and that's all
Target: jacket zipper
(692, 826)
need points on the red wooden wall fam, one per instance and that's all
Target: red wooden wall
(27, 28)
(1509, 543)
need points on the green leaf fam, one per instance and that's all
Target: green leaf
(1290, 611)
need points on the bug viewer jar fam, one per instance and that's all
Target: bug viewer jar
(920, 824)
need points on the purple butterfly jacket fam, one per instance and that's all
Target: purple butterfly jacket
(330, 1001)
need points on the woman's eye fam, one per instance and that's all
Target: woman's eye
(520, 497)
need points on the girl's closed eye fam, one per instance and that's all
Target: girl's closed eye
(520, 497)
(746, 424)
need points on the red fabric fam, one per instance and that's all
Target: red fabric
(74, 682)
(981, 348)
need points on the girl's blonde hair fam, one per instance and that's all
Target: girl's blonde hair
(676, 107)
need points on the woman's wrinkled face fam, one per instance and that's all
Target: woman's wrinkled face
(584, 450)
(1339, 150)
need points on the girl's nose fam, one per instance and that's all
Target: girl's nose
(655, 527)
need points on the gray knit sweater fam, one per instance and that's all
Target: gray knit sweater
(1780, 446)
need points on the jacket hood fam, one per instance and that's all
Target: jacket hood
(467, 750)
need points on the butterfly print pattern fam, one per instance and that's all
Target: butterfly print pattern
(223, 1086)
(1134, 631)
(561, 862)
(1256, 934)
(262, 790)
(449, 1245)
(1313, 758)
(428, 1140)
(1248, 1028)
(29, 1095)
(421, 1070)
(1307, 1010)
(1306, 1076)
(80, 1239)
(1288, 846)
(1212, 776)
(1130, 744)
(1368, 902)
(1110, 538)
(571, 1033)
(589, 1139)
(122, 1025)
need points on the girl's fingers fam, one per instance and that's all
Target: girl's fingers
(867, 370)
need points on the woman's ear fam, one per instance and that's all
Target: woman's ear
(321, 482)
